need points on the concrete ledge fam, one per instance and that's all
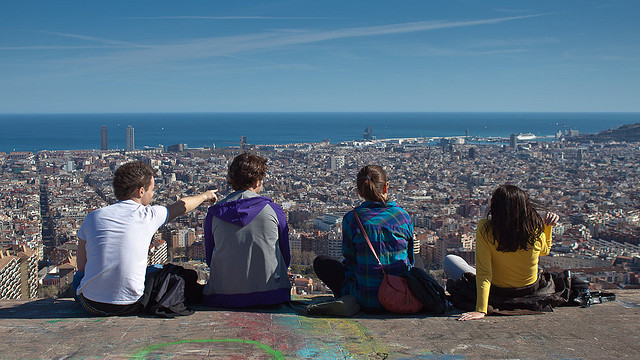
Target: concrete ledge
(57, 329)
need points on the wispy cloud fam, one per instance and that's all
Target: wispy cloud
(198, 17)
(424, 50)
(59, 47)
(93, 39)
(499, 43)
(513, 11)
(193, 49)
(107, 43)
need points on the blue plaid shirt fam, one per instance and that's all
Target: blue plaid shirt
(390, 231)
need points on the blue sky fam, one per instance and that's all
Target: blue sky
(246, 56)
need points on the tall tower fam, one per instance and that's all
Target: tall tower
(103, 139)
(368, 133)
(130, 139)
(513, 141)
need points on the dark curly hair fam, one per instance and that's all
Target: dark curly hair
(245, 170)
(514, 223)
(130, 177)
(371, 181)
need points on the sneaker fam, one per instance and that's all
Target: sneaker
(344, 306)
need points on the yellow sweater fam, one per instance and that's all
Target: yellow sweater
(505, 269)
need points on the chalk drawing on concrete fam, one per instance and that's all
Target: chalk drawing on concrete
(628, 304)
(348, 338)
(142, 354)
(435, 357)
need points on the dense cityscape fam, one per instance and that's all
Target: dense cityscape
(443, 183)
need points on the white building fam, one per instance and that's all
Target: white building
(336, 162)
(327, 222)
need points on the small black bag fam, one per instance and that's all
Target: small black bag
(168, 291)
(463, 292)
(581, 295)
(427, 290)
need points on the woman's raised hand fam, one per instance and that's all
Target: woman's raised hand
(551, 219)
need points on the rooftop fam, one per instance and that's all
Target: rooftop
(58, 329)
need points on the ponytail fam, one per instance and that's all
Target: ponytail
(371, 182)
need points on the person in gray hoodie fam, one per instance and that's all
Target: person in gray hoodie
(246, 242)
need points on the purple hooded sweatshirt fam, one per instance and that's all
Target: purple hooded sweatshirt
(248, 256)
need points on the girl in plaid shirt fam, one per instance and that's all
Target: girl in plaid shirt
(390, 231)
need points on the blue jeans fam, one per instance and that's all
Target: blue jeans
(454, 266)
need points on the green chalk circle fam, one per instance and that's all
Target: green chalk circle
(267, 349)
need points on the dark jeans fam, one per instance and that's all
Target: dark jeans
(331, 272)
(105, 309)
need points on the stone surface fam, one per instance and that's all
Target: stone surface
(57, 329)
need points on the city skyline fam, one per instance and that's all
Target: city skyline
(79, 131)
(329, 56)
(444, 188)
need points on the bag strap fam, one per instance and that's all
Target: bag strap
(364, 233)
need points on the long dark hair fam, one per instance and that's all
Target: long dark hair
(515, 223)
(371, 181)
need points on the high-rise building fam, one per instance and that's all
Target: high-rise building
(18, 273)
(334, 243)
(513, 143)
(183, 238)
(103, 138)
(175, 148)
(445, 246)
(10, 275)
(571, 133)
(130, 139)
(416, 246)
(336, 162)
(368, 133)
(157, 252)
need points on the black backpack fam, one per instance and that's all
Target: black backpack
(427, 290)
(169, 290)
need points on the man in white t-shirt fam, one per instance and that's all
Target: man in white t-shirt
(113, 242)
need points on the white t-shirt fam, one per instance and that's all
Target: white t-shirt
(118, 238)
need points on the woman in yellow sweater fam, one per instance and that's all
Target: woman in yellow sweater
(508, 245)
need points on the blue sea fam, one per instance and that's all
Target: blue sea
(36, 132)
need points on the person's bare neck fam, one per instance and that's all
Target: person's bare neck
(138, 200)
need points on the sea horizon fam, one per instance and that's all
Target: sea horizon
(314, 112)
(81, 131)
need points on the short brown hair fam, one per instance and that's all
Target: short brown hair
(245, 170)
(130, 177)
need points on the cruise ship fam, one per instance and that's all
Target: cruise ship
(527, 136)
